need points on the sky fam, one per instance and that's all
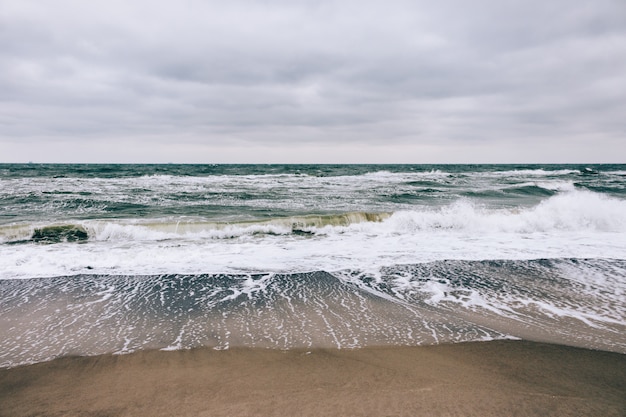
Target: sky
(313, 81)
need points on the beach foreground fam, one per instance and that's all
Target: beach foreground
(469, 379)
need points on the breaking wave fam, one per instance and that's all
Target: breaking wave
(572, 211)
(159, 230)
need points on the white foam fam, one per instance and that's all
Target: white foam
(556, 185)
(574, 211)
(575, 224)
(525, 173)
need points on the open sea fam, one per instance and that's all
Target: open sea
(116, 258)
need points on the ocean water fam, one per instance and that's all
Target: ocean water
(115, 258)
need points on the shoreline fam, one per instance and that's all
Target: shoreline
(504, 377)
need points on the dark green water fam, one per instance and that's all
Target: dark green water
(51, 192)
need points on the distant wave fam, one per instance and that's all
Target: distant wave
(378, 175)
(527, 173)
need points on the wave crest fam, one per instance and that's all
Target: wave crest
(573, 211)
(168, 229)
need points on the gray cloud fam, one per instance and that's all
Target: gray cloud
(410, 76)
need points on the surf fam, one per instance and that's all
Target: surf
(567, 301)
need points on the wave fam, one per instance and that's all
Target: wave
(534, 190)
(375, 176)
(568, 301)
(62, 233)
(525, 173)
(102, 230)
(574, 211)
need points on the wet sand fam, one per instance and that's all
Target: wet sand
(471, 379)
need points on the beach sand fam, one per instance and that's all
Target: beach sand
(498, 378)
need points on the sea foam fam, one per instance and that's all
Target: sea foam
(575, 224)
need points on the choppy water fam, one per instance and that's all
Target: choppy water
(114, 258)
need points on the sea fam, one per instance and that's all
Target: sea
(99, 259)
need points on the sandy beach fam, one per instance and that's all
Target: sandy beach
(470, 379)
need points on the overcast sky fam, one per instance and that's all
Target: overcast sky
(415, 81)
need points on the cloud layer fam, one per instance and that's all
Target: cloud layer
(313, 81)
